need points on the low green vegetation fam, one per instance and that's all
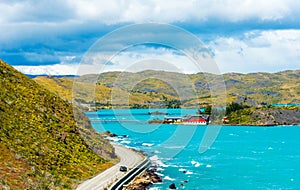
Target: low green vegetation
(206, 110)
(233, 107)
(241, 115)
(41, 145)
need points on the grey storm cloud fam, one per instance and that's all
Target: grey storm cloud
(59, 29)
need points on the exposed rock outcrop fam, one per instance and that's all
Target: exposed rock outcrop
(276, 117)
(172, 186)
(143, 181)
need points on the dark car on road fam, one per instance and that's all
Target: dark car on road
(123, 168)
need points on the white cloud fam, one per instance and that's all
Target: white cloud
(268, 51)
(56, 69)
(116, 11)
(130, 61)
(48, 27)
(180, 11)
(34, 11)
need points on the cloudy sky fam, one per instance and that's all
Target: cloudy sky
(52, 37)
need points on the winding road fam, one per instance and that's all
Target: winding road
(127, 157)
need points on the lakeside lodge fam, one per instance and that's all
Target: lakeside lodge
(187, 120)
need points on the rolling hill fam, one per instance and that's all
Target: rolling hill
(41, 145)
(150, 87)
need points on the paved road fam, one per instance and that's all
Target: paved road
(127, 157)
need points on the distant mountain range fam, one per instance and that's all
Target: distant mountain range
(152, 88)
(42, 145)
(57, 76)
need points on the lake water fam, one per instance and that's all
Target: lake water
(240, 157)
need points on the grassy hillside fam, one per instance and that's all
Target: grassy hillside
(151, 86)
(41, 145)
(270, 88)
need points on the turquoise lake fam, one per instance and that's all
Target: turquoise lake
(240, 158)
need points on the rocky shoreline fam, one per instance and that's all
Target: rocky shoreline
(143, 181)
(266, 117)
(277, 117)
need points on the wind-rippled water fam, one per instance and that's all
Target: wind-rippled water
(240, 158)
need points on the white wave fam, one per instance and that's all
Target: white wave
(115, 139)
(160, 169)
(147, 144)
(157, 152)
(154, 158)
(255, 152)
(196, 164)
(174, 147)
(189, 173)
(159, 174)
(125, 142)
(181, 169)
(162, 164)
(168, 178)
(208, 166)
(270, 148)
(156, 161)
